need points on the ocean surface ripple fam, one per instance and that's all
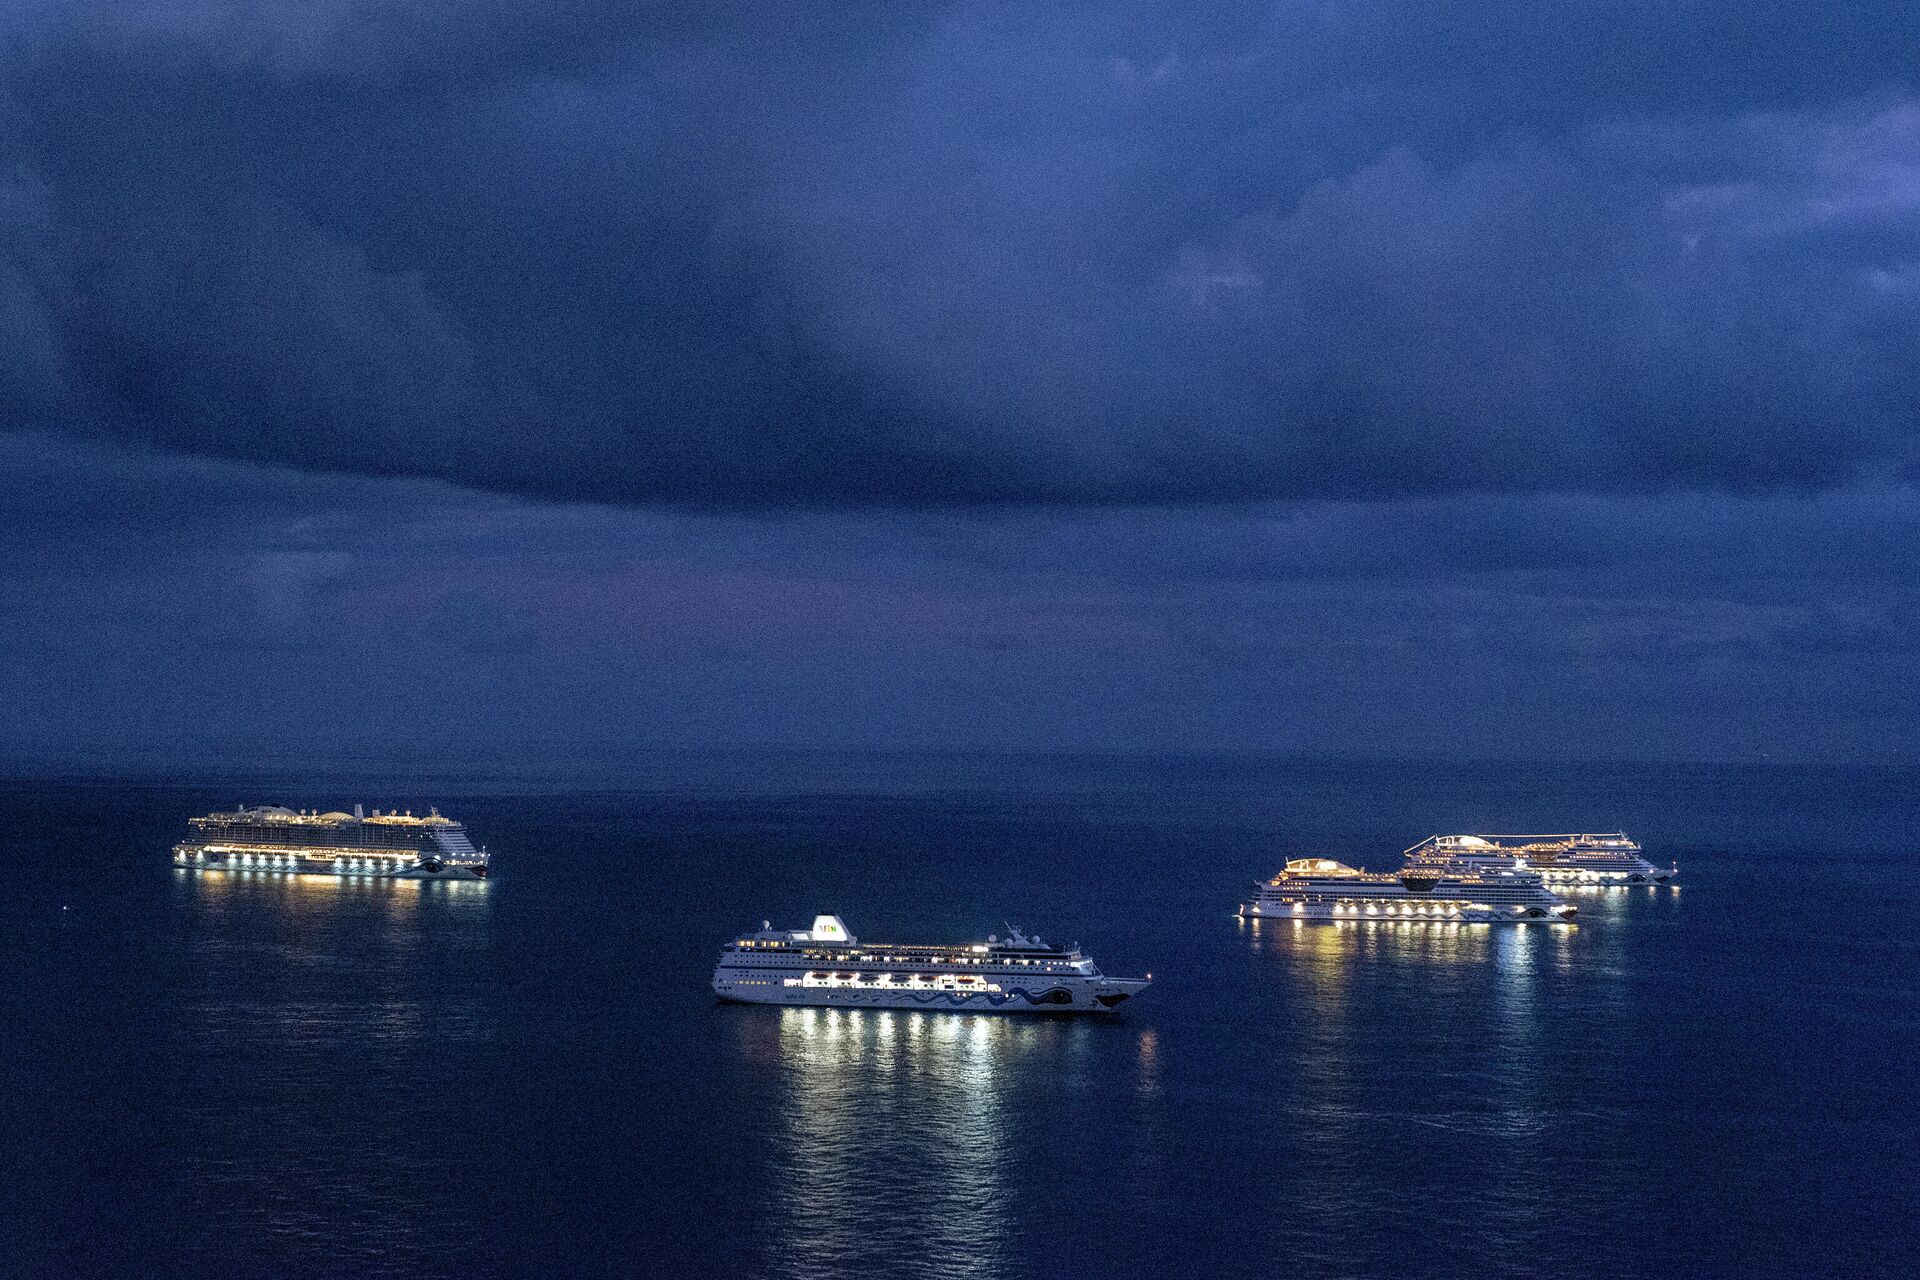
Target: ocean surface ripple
(216, 1075)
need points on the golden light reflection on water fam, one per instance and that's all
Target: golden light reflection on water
(1427, 968)
(856, 1081)
(1148, 1078)
(1330, 948)
(328, 996)
(894, 1122)
(308, 893)
(319, 925)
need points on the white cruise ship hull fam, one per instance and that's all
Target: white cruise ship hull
(1101, 996)
(827, 967)
(1603, 875)
(347, 868)
(1398, 913)
(275, 840)
(1568, 858)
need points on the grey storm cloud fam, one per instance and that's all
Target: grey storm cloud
(967, 254)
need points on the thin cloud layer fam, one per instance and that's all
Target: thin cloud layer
(217, 608)
(960, 255)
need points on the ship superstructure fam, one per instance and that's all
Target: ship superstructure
(1314, 889)
(273, 838)
(1584, 858)
(826, 965)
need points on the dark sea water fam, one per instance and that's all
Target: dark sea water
(218, 1076)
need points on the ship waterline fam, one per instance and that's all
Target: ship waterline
(276, 839)
(828, 966)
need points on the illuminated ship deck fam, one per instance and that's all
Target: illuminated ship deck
(1318, 889)
(1590, 858)
(272, 838)
(826, 965)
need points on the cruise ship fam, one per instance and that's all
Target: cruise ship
(272, 838)
(1509, 892)
(826, 965)
(1574, 858)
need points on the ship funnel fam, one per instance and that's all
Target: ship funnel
(358, 812)
(829, 929)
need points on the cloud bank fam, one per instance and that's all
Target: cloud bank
(966, 255)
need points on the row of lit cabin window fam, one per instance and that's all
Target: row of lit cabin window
(309, 855)
(358, 838)
(886, 959)
(971, 981)
(1423, 909)
(880, 958)
(1493, 893)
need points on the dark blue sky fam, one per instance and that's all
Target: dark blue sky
(519, 382)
